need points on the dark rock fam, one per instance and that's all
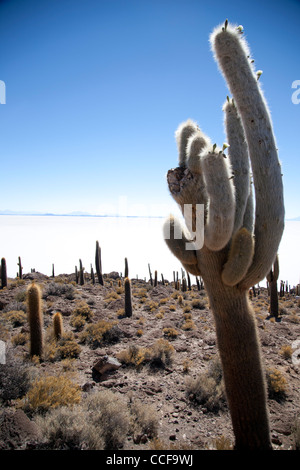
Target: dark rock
(16, 430)
(106, 364)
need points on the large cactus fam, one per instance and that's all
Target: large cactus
(240, 243)
(35, 319)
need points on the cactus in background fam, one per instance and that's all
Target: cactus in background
(150, 275)
(20, 267)
(240, 245)
(155, 278)
(3, 273)
(81, 273)
(35, 319)
(57, 325)
(272, 278)
(98, 264)
(93, 275)
(128, 300)
(126, 268)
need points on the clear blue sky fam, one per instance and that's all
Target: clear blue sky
(96, 88)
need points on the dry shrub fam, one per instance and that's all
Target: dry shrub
(207, 389)
(170, 333)
(134, 356)
(108, 413)
(101, 332)
(15, 379)
(68, 428)
(199, 304)
(15, 317)
(144, 421)
(151, 306)
(286, 351)
(223, 443)
(51, 392)
(277, 384)
(67, 348)
(160, 354)
(59, 289)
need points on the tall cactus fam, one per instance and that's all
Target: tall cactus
(128, 298)
(98, 263)
(272, 278)
(3, 273)
(35, 319)
(239, 245)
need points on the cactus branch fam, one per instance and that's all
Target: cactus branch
(232, 52)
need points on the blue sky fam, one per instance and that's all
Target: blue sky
(96, 89)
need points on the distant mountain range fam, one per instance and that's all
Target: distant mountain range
(84, 214)
(70, 214)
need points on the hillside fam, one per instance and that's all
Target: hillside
(163, 387)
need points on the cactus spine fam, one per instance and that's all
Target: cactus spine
(239, 245)
(35, 319)
(57, 325)
(128, 299)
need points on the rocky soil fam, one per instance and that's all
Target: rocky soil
(158, 313)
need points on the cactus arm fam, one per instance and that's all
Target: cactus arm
(221, 199)
(239, 257)
(186, 182)
(177, 240)
(232, 54)
(248, 221)
(239, 159)
(182, 134)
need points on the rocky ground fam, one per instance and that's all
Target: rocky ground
(164, 386)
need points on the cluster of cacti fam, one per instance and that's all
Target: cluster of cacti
(240, 244)
(35, 319)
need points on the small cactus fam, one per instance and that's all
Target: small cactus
(128, 299)
(35, 319)
(57, 325)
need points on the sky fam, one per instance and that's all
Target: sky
(95, 90)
